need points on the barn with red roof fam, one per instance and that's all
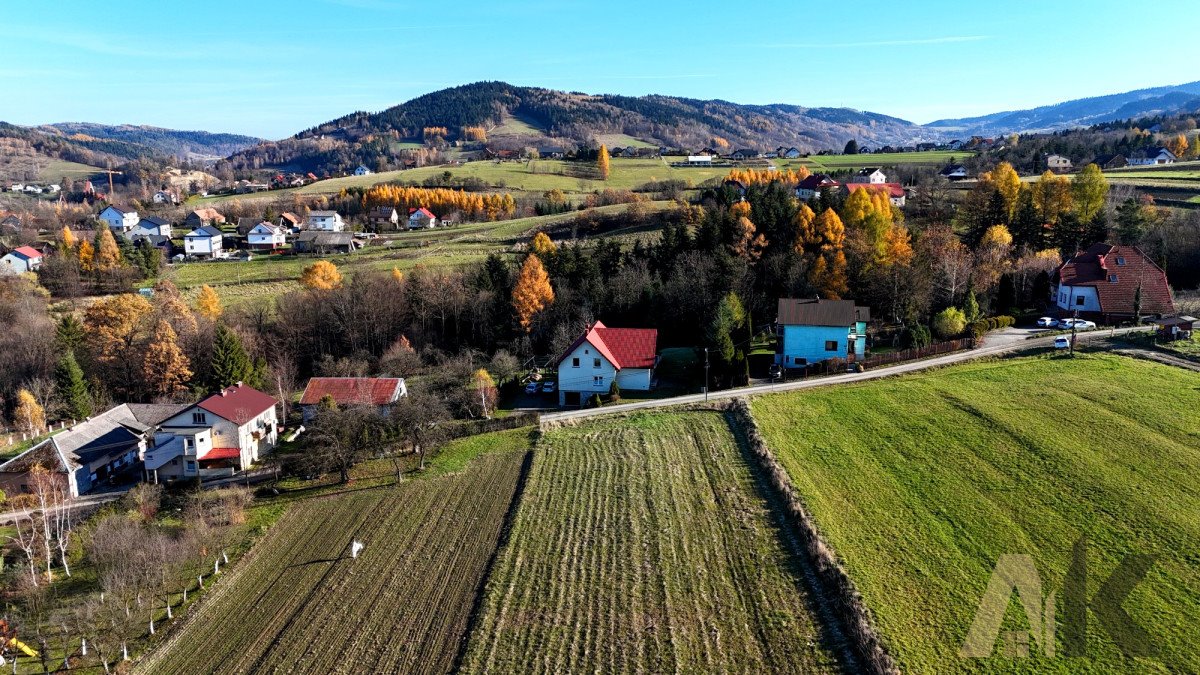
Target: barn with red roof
(380, 392)
(603, 355)
(1103, 283)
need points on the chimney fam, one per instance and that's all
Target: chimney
(238, 385)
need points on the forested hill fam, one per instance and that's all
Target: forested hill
(569, 118)
(170, 142)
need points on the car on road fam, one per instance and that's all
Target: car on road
(1062, 342)
(775, 371)
(1047, 322)
(532, 387)
(1077, 324)
(548, 387)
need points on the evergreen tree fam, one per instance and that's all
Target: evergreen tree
(69, 334)
(72, 390)
(851, 147)
(1006, 295)
(230, 362)
(970, 308)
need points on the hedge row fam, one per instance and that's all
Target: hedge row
(978, 328)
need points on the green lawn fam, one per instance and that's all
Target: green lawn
(920, 483)
(883, 159)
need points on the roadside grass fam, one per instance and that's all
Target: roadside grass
(920, 483)
(643, 545)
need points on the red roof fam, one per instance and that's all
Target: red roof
(222, 453)
(353, 390)
(1101, 263)
(816, 180)
(623, 347)
(893, 189)
(422, 210)
(238, 404)
(27, 251)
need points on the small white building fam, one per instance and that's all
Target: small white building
(600, 356)
(204, 242)
(20, 260)
(362, 171)
(1058, 163)
(870, 176)
(699, 160)
(120, 218)
(266, 237)
(421, 218)
(1151, 157)
(165, 197)
(326, 221)
(380, 393)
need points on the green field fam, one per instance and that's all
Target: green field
(56, 169)
(300, 604)
(920, 483)
(642, 545)
(882, 159)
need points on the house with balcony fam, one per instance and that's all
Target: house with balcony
(811, 330)
(242, 426)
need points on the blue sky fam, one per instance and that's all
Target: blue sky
(273, 67)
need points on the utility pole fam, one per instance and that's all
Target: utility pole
(706, 374)
(1074, 330)
(110, 173)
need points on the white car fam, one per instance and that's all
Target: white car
(1047, 322)
(1066, 324)
(1080, 324)
(1062, 342)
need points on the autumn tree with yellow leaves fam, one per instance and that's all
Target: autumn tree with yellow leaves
(321, 276)
(821, 240)
(1178, 145)
(472, 205)
(108, 254)
(165, 368)
(28, 416)
(87, 256)
(748, 177)
(602, 162)
(532, 292)
(208, 303)
(542, 246)
(67, 238)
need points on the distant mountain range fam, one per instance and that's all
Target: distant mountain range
(169, 142)
(1081, 112)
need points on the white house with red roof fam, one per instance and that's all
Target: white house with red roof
(600, 356)
(241, 422)
(381, 392)
(1103, 281)
(20, 260)
(812, 186)
(421, 218)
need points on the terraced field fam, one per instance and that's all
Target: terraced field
(643, 545)
(300, 604)
(920, 483)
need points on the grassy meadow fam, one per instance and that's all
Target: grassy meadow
(642, 545)
(920, 483)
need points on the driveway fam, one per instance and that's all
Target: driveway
(994, 344)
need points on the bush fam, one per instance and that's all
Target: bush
(614, 392)
(978, 328)
(949, 323)
(918, 336)
(595, 401)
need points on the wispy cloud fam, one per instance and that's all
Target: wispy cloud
(949, 39)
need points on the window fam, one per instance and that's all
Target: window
(191, 466)
(598, 381)
(199, 418)
(1112, 278)
(831, 345)
(1079, 300)
(1120, 262)
(595, 363)
(574, 363)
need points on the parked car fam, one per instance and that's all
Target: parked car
(1047, 322)
(775, 371)
(1062, 342)
(1066, 324)
(548, 387)
(532, 388)
(1080, 324)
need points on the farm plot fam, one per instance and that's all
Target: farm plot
(642, 545)
(302, 605)
(920, 483)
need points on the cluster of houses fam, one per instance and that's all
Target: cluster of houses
(32, 189)
(869, 178)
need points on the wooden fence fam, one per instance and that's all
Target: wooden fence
(913, 354)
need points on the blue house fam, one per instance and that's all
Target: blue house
(815, 330)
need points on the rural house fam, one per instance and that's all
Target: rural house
(787, 153)
(20, 260)
(745, 153)
(241, 423)
(954, 172)
(165, 197)
(895, 191)
(326, 221)
(812, 185)
(1111, 161)
(150, 227)
(204, 242)
(266, 237)
(814, 330)
(202, 217)
(324, 243)
(384, 218)
(421, 218)
(119, 217)
(380, 392)
(1102, 283)
(602, 355)
(1151, 157)
(870, 176)
(362, 171)
(1058, 163)
(290, 221)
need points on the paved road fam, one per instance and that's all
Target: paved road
(999, 342)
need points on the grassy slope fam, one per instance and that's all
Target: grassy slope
(301, 605)
(641, 545)
(57, 168)
(920, 483)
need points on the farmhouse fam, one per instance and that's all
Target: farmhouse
(385, 217)
(241, 424)
(814, 330)
(787, 153)
(20, 260)
(954, 172)
(551, 152)
(812, 185)
(362, 171)
(745, 153)
(326, 221)
(266, 237)
(895, 191)
(870, 176)
(202, 217)
(602, 355)
(1111, 161)
(290, 221)
(1058, 163)
(165, 197)
(380, 392)
(204, 242)
(421, 218)
(118, 217)
(324, 243)
(1151, 157)
(1102, 283)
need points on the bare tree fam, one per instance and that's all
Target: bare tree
(343, 437)
(25, 538)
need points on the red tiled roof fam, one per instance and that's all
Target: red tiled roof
(893, 189)
(1094, 266)
(623, 347)
(816, 180)
(352, 390)
(238, 404)
(27, 252)
(222, 453)
(423, 210)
